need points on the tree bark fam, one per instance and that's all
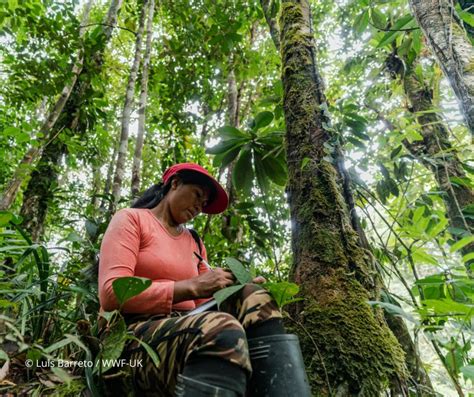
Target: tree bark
(40, 190)
(437, 154)
(233, 120)
(271, 21)
(46, 131)
(127, 109)
(351, 351)
(448, 41)
(137, 158)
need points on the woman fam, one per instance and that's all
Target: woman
(200, 354)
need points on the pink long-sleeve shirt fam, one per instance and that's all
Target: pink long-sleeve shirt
(137, 244)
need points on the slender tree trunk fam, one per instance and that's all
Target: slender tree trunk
(350, 349)
(436, 153)
(234, 97)
(96, 185)
(40, 190)
(23, 170)
(137, 158)
(233, 120)
(448, 41)
(127, 109)
(271, 21)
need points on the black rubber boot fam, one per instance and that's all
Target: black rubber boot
(188, 387)
(278, 368)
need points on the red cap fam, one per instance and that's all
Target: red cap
(221, 200)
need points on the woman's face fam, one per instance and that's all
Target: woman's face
(186, 201)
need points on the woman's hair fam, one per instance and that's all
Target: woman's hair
(153, 195)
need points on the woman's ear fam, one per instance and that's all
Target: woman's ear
(175, 182)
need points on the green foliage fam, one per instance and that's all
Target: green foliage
(283, 292)
(126, 288)
(47, 286)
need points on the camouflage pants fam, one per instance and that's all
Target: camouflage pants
(214, 333)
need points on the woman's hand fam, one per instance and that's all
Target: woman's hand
(259, 280)
(209, 282)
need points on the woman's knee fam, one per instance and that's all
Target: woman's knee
(223, 329)
(223, 336)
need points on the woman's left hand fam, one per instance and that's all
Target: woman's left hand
(259, 280)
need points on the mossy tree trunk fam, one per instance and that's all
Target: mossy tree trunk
(47, 130)
(39, 192)
(448, 41)
(127, 108)
(142, 103)
(437, 154)
(350, 351)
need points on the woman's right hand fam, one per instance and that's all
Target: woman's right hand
(209, 282)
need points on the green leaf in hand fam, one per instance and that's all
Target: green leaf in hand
(221, 295)
(128, 287)
(242, 275)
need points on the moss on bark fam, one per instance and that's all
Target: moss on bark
(354, 352)
(348, 348)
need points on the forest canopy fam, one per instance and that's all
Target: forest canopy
(342, 132)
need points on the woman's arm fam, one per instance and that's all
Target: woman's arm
(118, 258)
(202, 286)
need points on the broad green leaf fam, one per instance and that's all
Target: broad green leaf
(221, 295)
(448, 307)
(74, 237)
(239, 271)
(361, 22)
(263, 119)
(418, 214)
(394, 310)
(112, 346)
(468, 257)
(228, 132)
(420, 255)
(404, 22)
(242, 175)
(394, 153)
(4, 356)
(275, 170)
(224, 146)
(282, 292)
(128, 287)
(466, 182)
(438, 228)
(462, 243)
(417, 41)
(378, 18)
(91, 228)
(468, 372)
(262, 178)
(11, 131)
(465, 15)
(5, 217)
(468, 209)
(67, 340)
(435, 279)
(230, 156)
